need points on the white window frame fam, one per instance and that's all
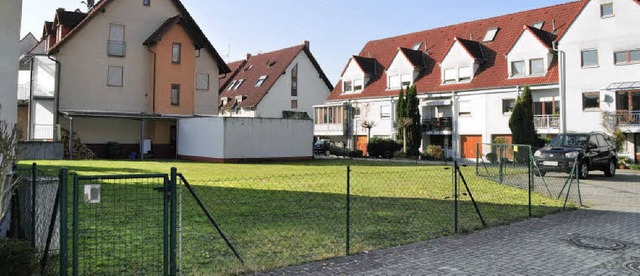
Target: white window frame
(460, 75)
(176, 56)
(233, 83)
(385, 114)
(393, 82)
(109, 76)
(538, 25)
(114, 42)
(406, 78)
(358, 85)
(627, 54)
(344, 86)
(451, 79)
(531, 72)
(238, 84)
(261, 80)
(512, 67)
(202, 82)
(612, 14)
(491, 34)
(502, 106)
(597, 64)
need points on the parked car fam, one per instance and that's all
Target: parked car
(593, 151)
(321, 147)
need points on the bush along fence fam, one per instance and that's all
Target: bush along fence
(169, 224)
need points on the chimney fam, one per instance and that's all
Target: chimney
(248, 56)
(306, 44)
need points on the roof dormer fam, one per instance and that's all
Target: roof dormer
(462, 61)
(531, 53)
(357, 74)
(405, 68)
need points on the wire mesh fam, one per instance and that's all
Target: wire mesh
(271, 222)
(120, 225)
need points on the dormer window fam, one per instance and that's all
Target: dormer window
(357, 85)
(347, 86)
(517, 68)
(606, 10)
(536, 66)
(465, 73)
(450, 76)
(399, 81)
(491, 35)
(459, 74)
(231, 85)
(538, 25)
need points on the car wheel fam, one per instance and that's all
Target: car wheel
(610, 171)
(584, 170)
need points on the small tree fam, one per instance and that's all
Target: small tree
(368, 125)
(523, 129)
(404, 123)
(9, 136)
(412, 110)
(400, 110)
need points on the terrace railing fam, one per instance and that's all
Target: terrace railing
(547, 121)
(24, 91)
(437, 124)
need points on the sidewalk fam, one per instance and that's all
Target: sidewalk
(602, 240)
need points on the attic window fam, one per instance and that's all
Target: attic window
(491, 35)
(261, 80)
(231, 85)
(238, 83)
(606, 10)
(272, 63)
(249, 67)
(538, 25)
(416, 46)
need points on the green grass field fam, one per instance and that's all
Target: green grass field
(279, 214)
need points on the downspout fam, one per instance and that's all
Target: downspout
(455, 136)
(563, 86)
(153, 88)
(57, 92)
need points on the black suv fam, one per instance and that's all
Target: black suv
(594, 151)
(321, 147)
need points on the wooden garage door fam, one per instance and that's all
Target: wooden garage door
(469, 144)
(361, 144)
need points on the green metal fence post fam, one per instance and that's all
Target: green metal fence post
(173, 238)
(348, 209)
(76, 197)
(34, 175)
(165, 227)
(530, 180)
(478, 158)
(500, 163)
(62, 188)
(455, 197)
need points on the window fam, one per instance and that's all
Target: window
(465, 109)
(233, 83)
(591, 101)
(590, 58)
(606, 10)
(347, 87)
(238, 83)
(464, 73)
(197, 53)
(546, 107)
(175, 94)
(536, 66)
(146, 3)
(491, 35)
(450, 75)
(627, 57)
(248, 67)
(357, 85)
(294, 103)
(393, 82)
(416, 46)
(175, 53)
(114, 76)
(294, 83)
(202, 81)
(406, 80)
(385, 112)
(261, 80)
(507, 105)
(517, 68)
(116, 45)
(538, 25)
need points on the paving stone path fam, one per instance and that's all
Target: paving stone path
(603, 239)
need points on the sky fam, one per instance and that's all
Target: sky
(336, 29)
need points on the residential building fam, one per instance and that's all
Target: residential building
(10, 15)
(601, 64)
(123, 72)
(286, 83)
(467, 75)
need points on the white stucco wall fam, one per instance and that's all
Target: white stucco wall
(312, 90)
(401, 66)
(10, 16)
(608, 35)
(526, 48)
(456, 58)
(352, 73)
(206, 101)
(245, 138)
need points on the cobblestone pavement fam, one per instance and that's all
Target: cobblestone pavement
(610, 230)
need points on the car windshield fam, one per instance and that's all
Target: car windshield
(572, 141)
(320, 142)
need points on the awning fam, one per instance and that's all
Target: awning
(437, 102)
(624, 86)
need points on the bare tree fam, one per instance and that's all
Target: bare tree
(404, 123)
(9, 136)
(368, 125)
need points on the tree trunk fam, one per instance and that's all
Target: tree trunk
(404, 140)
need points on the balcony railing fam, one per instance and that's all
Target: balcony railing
(626, 118)
(547, 121)
(116, 48)
(437, 124)
(24, 91)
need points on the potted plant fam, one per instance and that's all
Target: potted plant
(623, 163)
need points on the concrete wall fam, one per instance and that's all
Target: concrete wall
(223, 139)
(35, 150)
(10, 12)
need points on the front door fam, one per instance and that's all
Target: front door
(361, 144)
(469, 145)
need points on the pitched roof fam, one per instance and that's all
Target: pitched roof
(368, 65)
(272, 65)
(101, 5)
(27, 43)
(48, 28)
(157, 35)
(415, 57)
(474, 48)
(545, 37)
(69, 18)
(494, 70)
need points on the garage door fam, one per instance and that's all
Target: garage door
(361, 144)
(469, 145)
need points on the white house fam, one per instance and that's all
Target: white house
(601, 54)
(286, 83)
(10, 15)
(467, 76)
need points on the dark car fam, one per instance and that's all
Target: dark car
(593, 151)
(321, 147)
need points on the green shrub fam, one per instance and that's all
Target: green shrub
(500, 140)
(619, 138)
(17, 257)
(492, 157)
(384, 148)
(434, 152)
(635, 167)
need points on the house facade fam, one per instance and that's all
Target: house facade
(468, 77)
(286, 83)
(601, 54)
(123, 72)
(10, 15)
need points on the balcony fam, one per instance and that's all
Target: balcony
(24, 91)
(440, 125)
(546, 122)
(116, 48)
(628, 118)
(328, 129)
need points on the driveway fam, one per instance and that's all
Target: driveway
(603, 239)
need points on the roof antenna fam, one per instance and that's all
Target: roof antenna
(89, 4)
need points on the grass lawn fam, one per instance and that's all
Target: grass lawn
(279, 214)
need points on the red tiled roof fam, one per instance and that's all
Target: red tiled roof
(493, 72)
(101, 6)
(415, 57)
(69, 18)
(272, 65)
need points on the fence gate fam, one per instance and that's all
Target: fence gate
(123, 224)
